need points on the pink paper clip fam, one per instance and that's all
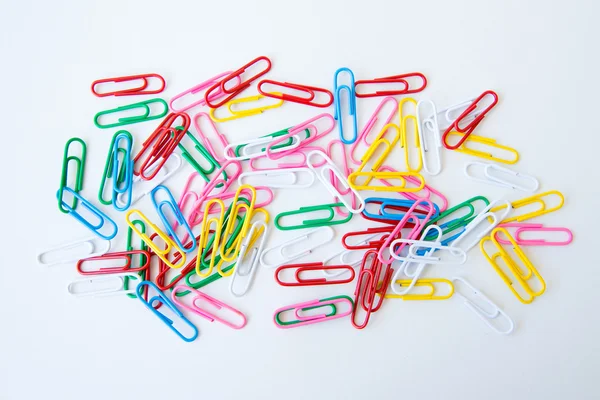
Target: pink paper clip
(310, 125)
(211, 300)
(219, 156)
(528, 227)
(362, 137)
(425, 193)
(302, 320)
(419, 224)
(199, 88)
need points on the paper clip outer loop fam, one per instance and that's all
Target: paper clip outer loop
(310, 90)
(316, 266)
(143, 117)
(538, 198)
(125, 255)
(311, 305)
(402, 78)
(311, 223)
(140, 90)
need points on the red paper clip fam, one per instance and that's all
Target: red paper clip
(309, 90)
(131, 91)
(121, 255)
(316, 266)
(377, 268)
(238, 87)
(392, 79)
(470, 127)
(374, 244)
(161, 144)
(181, 272)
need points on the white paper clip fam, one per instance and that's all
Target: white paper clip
(102, 285)
(324, 230)
(449, 255)
(249, 268)
(485, 216)
(448, 115)
(90, 250)
(486, 316)
(260, 143)
(142, 187)
(342, 257)
(288, 178)
(432, 142)
(529, 183)
(322, 174)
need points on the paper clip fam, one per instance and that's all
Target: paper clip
(527, 227)
(138, 90)
(366, 288)
(428, 190)
(373, 148)
(237, 206)
(80, 165)
(430, 127)
(487, 154)
(301, 320)
(448, 115)
(487, 216)
(362, 137)
(143, 116)
(315, 266)
(142, 187)
(330, 167)
(395, 204)
(161, 143)
(520, 275)
(253, 253)
(239, 87)
(452, 255)
(126, 256)
(396, 79)
(288, 178)
(527, 182)
(470, 126)
(169, 243)
(429, 283)
(345, 170)
(309, 92)
(108, 168)
(99, 285)
(311, 223)
(205, 137)
(236, 114)
(486, 316)
(210, 300)
(538, 198)
(349, 89)
(122, 171)
(309, 125)
(367, 243)
(103, 219)
(197, 89)
(418, 226)
(206, 155)
(258, 147)
(161, 298)
(281, 248)
(386, 176)
(174, 209)
(417, 143)
(461, 221)
(91, 250)
(207, 222)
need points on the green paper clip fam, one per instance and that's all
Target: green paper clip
(213, 164)
(80, 162)
(282, 132)
(311, 223)
(144, 116)
(141, 274)
(459, 222)
(333, 310)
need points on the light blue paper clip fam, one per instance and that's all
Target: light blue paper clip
(352, 104)
(124, 186)
(94, 210)
(171, 204)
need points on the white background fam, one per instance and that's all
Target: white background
(540, 56)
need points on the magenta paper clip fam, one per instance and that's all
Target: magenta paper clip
(424, 193)
(314, 134)
(527, 227)
(301, 320)
(200, 88)
(364, 134)
(204, 136)
(413, 234)
(197, 296)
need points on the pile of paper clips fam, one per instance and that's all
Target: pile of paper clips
(413, 231)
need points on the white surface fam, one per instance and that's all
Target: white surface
(541, 57)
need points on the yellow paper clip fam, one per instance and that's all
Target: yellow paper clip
(482, 154)
(522, 276)
(169, 243)
(385, 176)
(236, 208)
(260, 230)
(431, 295)
(379, 142)
(235, 114)
(538, 198)
(417, 143)
(401, 104)
(207, 221)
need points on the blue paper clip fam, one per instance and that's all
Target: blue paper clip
(179, 218)
(125, 187)
(94, 210)
(161, 298)
(387, 202)
(352, 104)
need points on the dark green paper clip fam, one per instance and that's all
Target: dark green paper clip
(144, 116)
(311, 223)
(80, 162)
